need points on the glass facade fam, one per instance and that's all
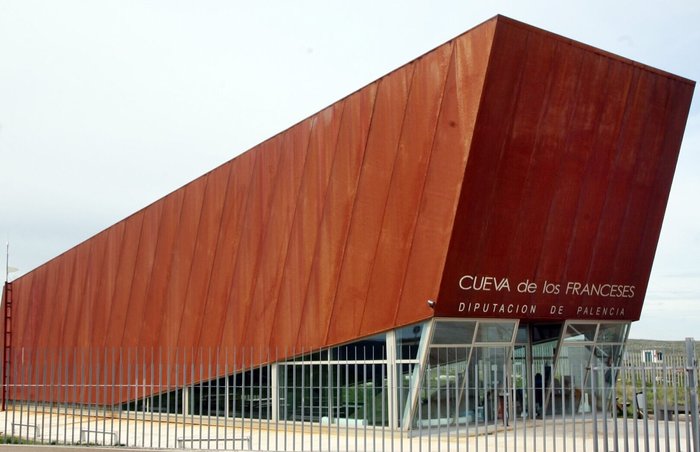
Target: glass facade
(439, 372)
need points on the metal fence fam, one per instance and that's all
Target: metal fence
(249, 400)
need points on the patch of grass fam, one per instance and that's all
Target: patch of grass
(5, 439)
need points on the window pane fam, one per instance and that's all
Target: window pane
(573, 362)
(486, 385)
(373, 347)
(408, 340)
(446, 355)
(612, 332)
(607, 355)
(545, 332)
(454, 333)
(579, 332)
(441, 397)
(495, 332)
(359, 394)
(248, 395)
(303, 392)
(407, 374)
(521, 337)
(321, 355)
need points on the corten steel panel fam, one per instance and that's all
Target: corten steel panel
(304, 229)
(39, 318)
(619, 191)
(406, 188)
(335, 222)
(107, 283)
(591, 198)
(521, 204)
(43, 337)
(372, 192)
(142, 271)
(160, 239)
(205, 248)
(75, 300)
(92, 304)
(21, 311)
(640, 161)
(294, 146)
(232, 220)
(66, 264)
(681, 95)
(197, 277)
(125, 275)
(523, 119)
(33, 317)
(449, 156)
(247, 260)
(561, 95)
(181, 263)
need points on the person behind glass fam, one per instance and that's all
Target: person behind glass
(539, 394)
(605, 386)
(608, 375)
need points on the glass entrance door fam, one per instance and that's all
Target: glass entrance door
(466, 374)
(487, 390)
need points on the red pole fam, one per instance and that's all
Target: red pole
(7, 342)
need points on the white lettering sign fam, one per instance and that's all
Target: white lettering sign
(490, 283)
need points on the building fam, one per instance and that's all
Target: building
(498, 199)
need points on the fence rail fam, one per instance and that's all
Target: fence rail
(248, 400)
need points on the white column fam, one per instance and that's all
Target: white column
(274, 387)
(417, 375)
(185, 401)
(226, 406)
(392, 380)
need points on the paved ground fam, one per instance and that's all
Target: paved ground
(154, 431)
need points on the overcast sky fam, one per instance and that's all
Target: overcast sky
(106, 106)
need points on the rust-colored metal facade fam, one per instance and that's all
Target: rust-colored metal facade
(508, 153)
(566, 185)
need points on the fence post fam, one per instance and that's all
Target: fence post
(692, 388)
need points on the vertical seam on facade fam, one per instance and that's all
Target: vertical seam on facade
(451, 64)
(557, 174)
(278, 150)
(581, 194)
(131, 281)
(155, 255)
(360, 318)
(118, 257)
(275, 298)
(195, 247)
(352, 217)
(243, 221)
(660, 138)
(197, 338)
(343, 248)
(633, 89)
(488, 217)
(458, 200)
(319, 224)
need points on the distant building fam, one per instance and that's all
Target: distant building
(652, 356)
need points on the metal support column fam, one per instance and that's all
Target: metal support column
(692, 388)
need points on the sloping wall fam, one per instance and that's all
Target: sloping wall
(335, 228)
